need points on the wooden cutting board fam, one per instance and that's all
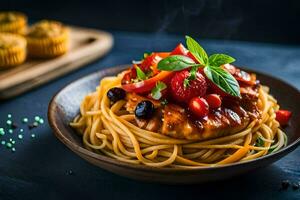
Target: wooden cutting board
(86, 45)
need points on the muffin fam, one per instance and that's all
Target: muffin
(13, 22)
(47, 39)
(12, 50)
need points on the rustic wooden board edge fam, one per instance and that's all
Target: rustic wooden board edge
(77, 59)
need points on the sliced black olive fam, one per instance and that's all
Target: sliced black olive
(115, 94)
(144, 109)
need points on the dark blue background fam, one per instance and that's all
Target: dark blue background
(255, 20)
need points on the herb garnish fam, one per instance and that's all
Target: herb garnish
(140, 74)
(220, 77)
(259, 142)
(176, 63)
(164, 102)
(191, 77)
(197, 51)
(146, 54)
(156, 91)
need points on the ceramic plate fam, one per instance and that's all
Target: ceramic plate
(65, 106)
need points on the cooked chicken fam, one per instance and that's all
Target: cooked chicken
(133, 99)
(176, 122)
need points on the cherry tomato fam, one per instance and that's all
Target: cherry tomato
(146, 85)
(213, 100)
(199, 107)
(150, 61)
(196, 87)
(180, 50)
(283, 117)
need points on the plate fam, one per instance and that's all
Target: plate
(64, 106)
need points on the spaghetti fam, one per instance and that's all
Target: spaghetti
(111, 130)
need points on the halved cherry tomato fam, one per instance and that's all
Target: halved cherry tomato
(199, 106)
(146, 85)
(213, 100)
(283, 117)
(180, 50)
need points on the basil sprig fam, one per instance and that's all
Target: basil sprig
(220, 77)
(197, 51)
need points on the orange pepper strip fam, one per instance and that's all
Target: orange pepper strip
(239, 154)
(163, 54)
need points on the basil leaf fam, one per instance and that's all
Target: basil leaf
(197, 51)
(175, 63)
(140, 74)
(223, 79)
(220, 59)
(156, 91)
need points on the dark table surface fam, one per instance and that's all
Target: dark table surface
(39, 169)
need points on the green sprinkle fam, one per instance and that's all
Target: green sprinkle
(33, 135)
(10, 139)
(37, 118)
(10, 131)
(8, 145)
(35, 124)
(9, 122)
(3, 142)
(41, 121)
(25, 120)
(21, 130)
(9, 116)
(13, 149)
(2, 132)
(20, 136)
